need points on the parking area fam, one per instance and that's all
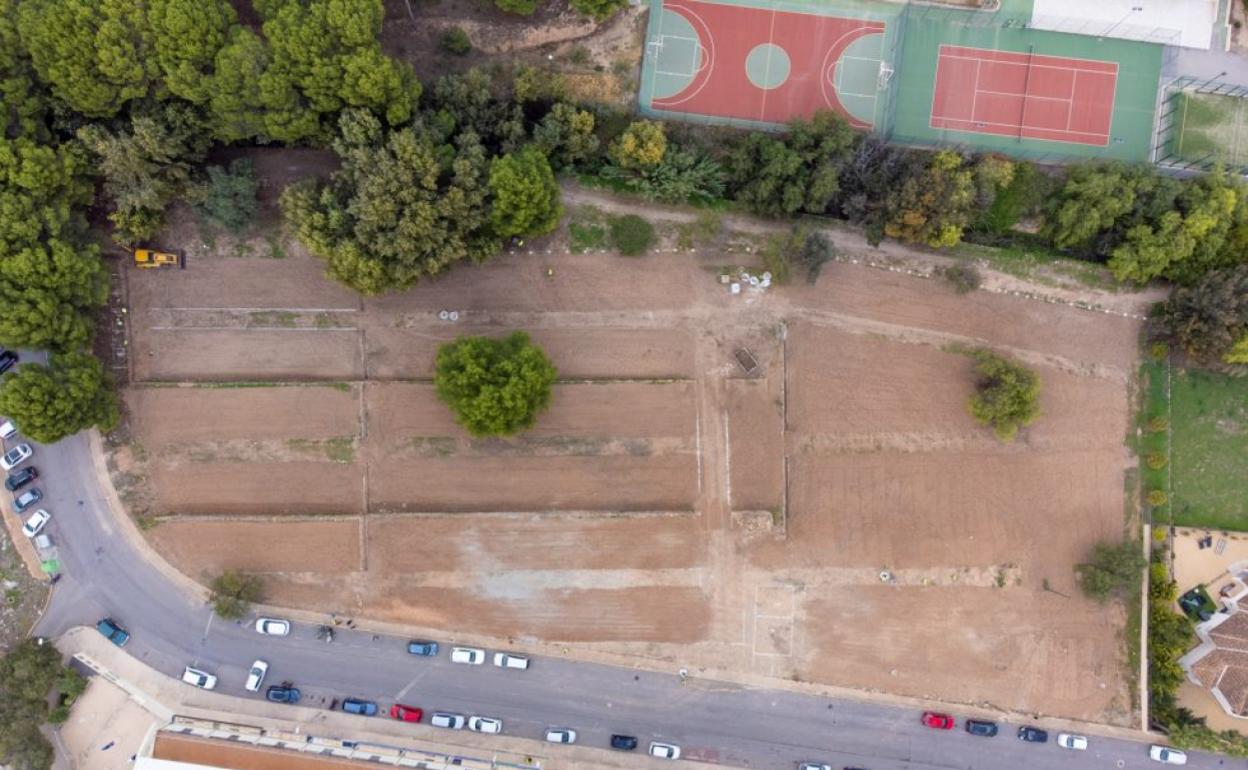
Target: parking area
(669, 504)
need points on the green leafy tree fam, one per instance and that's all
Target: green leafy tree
(682, 176)
(598, 10)
(495, 387)
(40, 186)
(228, 198)
(526, 197)
(1198, 224)
(935, 206)
(534, 84)
(799, 172)
(1238, 354)
(49, 403)
(147, 166)
(1006, 394)
(49, 292)
(96, 55)
(566, 134)
(1210, 318)
(187, 36)
(641, 146)
(1094, 199)
(467, 102)
(22, 103)
(236, 102)
(1112, 570)
(326, 57)
(400, 208)
(232, 594)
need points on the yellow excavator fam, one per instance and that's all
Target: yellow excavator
(153, 258)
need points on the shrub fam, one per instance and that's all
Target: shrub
(1156, 461)
(598, 10)
(1112, 570)
(494, 387)
(1007, 394)
(963, 277)
(1157, 497)
(1157, 425)
(233, 594)
(1158, 351)
(642, 145)
(521, 7)
(455, 41)
(631, 235)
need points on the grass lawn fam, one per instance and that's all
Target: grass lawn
(1210, 450)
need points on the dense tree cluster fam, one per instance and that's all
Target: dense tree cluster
(30, 674)
(1209, 319)
(52, 402)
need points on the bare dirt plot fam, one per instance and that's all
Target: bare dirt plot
(520, 483)
(848, 384)
(207, 546)
(409, 544)
(578, 353)
(185, 414)
(401, 413)
(295, 282)
(219, 355)
(851, 290)
(258, 488)
(944, 509)
(756, 440)
(505, 606)
(1027, 651)
(582, 282)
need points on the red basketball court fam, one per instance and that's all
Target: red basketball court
(765, 65)
(1025, 95)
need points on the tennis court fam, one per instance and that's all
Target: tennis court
(1056, 98)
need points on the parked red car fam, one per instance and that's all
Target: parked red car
(937, 721)
(406, 713)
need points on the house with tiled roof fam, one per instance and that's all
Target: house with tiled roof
(1220, 662)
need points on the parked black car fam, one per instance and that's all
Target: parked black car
(7, 359)
(981, 727)
(282, 694)
(1032, 734)
(623, 742)
(20, 478)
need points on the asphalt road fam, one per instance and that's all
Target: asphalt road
(711, 721)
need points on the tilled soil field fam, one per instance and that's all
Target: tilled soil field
(670, 504)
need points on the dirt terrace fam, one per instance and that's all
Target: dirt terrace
(668, 505)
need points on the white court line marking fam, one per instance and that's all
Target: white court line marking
(1094, 70)
(975, 91)
(1015, 125)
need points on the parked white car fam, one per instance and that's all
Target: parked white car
(560, 735)
(1069, 741)
(7, 430)
(664, 750)
(37, 521)
(16, 456)
(272, 626)
(1167, 755)
(485, 725)
(449, 721)
(473, 656)
(201, 679)
(507, 660)
(255, 677)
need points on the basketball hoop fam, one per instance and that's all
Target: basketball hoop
(886, 75)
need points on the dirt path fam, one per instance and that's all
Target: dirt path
(892, 255)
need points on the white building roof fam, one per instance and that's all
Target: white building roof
(1187, 23)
